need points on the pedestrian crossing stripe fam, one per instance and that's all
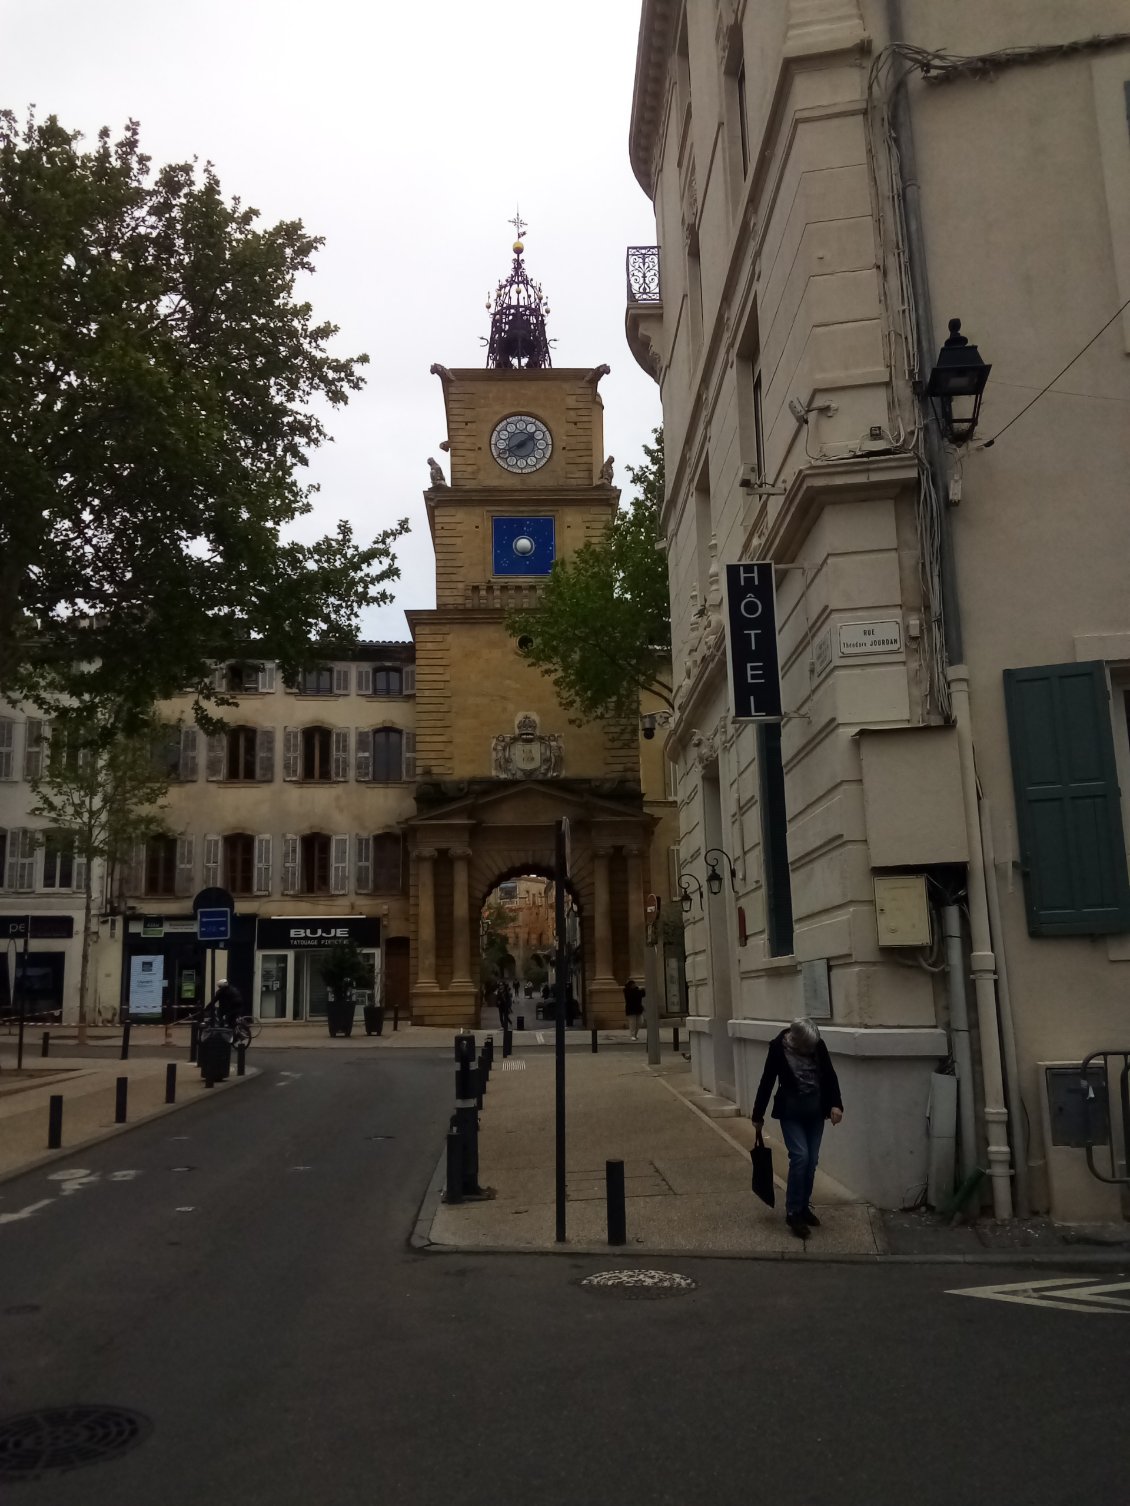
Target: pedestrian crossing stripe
(1077, 1294)
(512, 1065)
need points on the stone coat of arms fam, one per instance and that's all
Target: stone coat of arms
(528, 753)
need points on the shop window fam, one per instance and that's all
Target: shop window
(388, 755)
(314, 863)
(239, 863)
(58, 860)
(161, 866)
(317, 753)
(387, 863)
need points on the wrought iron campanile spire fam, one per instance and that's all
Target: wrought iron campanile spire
(517, 316)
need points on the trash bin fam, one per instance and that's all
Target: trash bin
(214, 1055)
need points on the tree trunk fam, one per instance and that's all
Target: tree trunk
(84, 968)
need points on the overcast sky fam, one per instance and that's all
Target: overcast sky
(405, 134)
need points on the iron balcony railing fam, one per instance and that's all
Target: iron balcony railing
(643, 274)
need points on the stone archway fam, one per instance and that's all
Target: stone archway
(543, 922)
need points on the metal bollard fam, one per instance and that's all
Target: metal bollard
(55, 1121)
(241, 1061)
(121, 1089)
(521, 1022)
(465, 1046)
(466, 1121)
(614, 1197)
(193, 1041)
(675, 1038)
(594, 1048)
(46, 1043)
(125, 1041)
(480, 1086)
(454, 1192)
(507, 1041)
(171, 1083)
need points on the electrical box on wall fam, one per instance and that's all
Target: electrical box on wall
(902, 911)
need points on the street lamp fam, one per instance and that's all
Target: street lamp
(957, 384)
(713, 877)
(686, 899)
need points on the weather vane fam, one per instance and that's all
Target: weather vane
(519, 224)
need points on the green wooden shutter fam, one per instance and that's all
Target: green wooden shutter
(1068, 808)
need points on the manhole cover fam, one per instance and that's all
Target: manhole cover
(61, 1438)
(639, 1283)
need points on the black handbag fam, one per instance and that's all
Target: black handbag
(762, 1158)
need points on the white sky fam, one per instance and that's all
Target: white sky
(405, 134)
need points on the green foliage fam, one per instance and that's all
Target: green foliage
(496, 958)
(161, 387)
(602, 627)
(343, 967)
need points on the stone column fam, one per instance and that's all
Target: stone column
(425, 917)
(602, 916)
(461, 917)
(637, 960)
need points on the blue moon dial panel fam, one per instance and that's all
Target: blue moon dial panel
(522, 546)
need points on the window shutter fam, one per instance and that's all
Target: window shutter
(364, 682)
(186, 867)
(341, 679)
(290, 864)
(673, 872)
(35, 737)
(213, 848)
(7, 748)
(363, 758)
(409, 755)
(340, 752)
(1068, 809)
(25, 866)
(15, 839)
(263, 865)
(78, 882)
(292, 752)
(219, 675)
(189, 755)
(408, 680)
(265, 754)
(217, 755)
(135, 869)
(339, 865)
(266, 678)
(364, 863)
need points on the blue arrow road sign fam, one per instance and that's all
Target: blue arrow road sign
(213, 925)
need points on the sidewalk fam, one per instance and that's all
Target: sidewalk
(87, 1086)
(687, 1176)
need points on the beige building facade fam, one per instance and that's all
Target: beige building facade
(832, 181)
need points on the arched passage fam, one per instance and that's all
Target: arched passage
(518, 948)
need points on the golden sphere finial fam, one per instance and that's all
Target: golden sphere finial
(518, 248)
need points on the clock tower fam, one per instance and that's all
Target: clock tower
(498, 760)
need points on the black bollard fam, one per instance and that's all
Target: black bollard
(193, 1041)
(614, 1195)
(46, 1043)
(454, 1192)
(55, 1121)
(521, 1022)
(121, 1089)
(241, 1061)
(675, 1038)
(466, 1120)
(507, 1041)
(464, 1046)
(594, 1048)
(125, 1041)
(171, 1083)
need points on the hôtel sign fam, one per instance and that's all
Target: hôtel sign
(751, 620)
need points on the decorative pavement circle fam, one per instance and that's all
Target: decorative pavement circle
(638, 1284)
(34, 1444)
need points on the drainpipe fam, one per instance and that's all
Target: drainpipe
(1008, 1031)
(959, 1036)
(983, 962)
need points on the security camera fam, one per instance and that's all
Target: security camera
(647, 725)
(798, 410)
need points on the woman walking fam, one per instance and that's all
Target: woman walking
(808, 1093)
(633, 1006)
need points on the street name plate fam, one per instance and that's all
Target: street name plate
(861, 638)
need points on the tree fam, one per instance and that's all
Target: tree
(161, 388)
(496, 958)
(602, 628)
(100, 794)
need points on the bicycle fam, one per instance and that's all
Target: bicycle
(245, 1029)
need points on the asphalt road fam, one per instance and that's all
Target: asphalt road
(250, 1290)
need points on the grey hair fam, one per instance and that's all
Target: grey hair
(803, 1035)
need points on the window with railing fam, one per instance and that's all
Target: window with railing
(643, 274)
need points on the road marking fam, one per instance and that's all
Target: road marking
(1076, 1294)
(184, 1210)
(540, 1038)
(290, 1074)
(302, 1168)
(14, 1218)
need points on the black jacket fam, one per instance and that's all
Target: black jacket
(777, 1069)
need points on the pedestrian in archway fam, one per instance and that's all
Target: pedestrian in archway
(807, 1095)
(633, 1006)
(503, 1000)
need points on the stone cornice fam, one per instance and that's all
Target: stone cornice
(649, 92)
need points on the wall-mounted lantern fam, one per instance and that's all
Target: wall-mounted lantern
(957, 385)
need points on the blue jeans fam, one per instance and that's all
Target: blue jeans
(802, 1141)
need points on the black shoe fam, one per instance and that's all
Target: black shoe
(810, 1218)
(797, 1224)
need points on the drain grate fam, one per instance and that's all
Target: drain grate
(638, 1284)
(63, 1438)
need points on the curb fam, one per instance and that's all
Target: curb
(420, 1238)
(112, 1131)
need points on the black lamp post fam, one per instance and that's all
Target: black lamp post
(713, 877)
(957, 385)
(686, 899)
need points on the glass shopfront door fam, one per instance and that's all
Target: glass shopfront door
(310, 991)
(273, 971)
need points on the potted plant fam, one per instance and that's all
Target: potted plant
(344, 968)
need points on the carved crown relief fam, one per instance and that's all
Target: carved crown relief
(528, 753)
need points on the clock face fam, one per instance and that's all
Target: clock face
(522, 546)
(521, 444)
